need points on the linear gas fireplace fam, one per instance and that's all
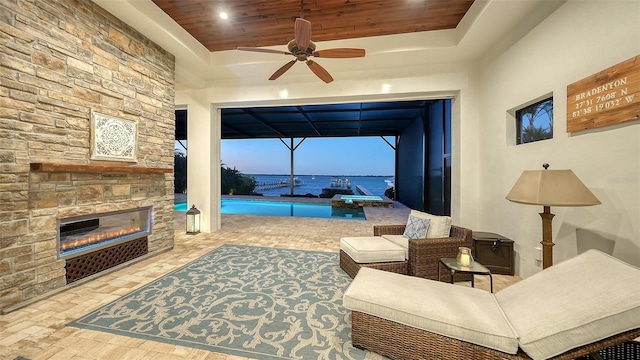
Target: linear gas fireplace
(96, 242)
(86, 234)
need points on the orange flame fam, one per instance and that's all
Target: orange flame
(68, 244)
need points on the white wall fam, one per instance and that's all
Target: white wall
(576, 41)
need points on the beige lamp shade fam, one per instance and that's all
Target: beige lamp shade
(551, 188)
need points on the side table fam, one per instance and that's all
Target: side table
(494, 251)
(475, 269)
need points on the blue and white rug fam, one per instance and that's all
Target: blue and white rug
(262, 303)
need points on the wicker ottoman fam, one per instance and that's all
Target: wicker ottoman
(373, 252)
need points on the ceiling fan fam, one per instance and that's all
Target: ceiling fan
(302, 48)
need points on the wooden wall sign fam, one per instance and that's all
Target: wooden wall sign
(608, 97)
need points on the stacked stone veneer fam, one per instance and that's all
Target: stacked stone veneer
(60, 61)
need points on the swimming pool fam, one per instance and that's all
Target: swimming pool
(283, 208)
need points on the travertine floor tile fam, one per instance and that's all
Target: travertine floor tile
(39, 331)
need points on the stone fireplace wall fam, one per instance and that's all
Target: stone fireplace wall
(60, 60)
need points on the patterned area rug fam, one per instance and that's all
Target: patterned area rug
(256, 302)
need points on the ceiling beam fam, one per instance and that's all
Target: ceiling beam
(262, 121)
(233, 128)
(308, 120)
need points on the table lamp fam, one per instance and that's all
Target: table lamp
(550, 188)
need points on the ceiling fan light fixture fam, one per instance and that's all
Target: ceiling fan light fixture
(301, 54)
(302, 48)
(223, 15)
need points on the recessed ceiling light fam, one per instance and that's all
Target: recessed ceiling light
(224, 15)
(386, 88)
(284, 94)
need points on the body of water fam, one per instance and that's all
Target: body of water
(311, 184)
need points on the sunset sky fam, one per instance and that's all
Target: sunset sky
(315, 156)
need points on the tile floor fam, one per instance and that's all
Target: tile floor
(38, 331)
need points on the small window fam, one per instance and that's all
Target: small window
(535, 122)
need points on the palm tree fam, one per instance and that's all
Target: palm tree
(532, 133)
(537, 112)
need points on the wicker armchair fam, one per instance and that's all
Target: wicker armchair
(424, 254)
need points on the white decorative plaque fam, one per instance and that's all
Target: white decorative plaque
(113, 138)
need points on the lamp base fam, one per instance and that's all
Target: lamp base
(547, 241)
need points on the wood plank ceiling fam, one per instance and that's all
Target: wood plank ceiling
(268, 23)
(259, 23)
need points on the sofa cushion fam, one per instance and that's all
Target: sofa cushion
(416, 227)
(576, 302)
(370, 249)
(455, 311)
(439, 226)
(399, 240)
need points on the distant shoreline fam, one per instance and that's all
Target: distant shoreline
(385, 176)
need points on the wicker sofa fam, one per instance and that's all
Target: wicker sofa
(554, 314)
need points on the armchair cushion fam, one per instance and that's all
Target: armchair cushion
(399, 240)
(416, 227)
(439, 226)
(371, 249)
(576, 302)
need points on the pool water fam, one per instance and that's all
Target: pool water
(361, 197)
(283, 208)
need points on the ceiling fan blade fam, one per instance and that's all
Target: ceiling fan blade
(303, 33)
(319, 71)
(283, 69)
(270, 51)
(340, 53)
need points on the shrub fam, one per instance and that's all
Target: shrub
(390, 193)
(235, 182)
(179, 172)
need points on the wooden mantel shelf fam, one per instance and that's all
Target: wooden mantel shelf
(50, 167)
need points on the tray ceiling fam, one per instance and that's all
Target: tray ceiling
(268, 23)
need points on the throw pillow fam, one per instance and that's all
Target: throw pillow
(416, 228)
(439, 226)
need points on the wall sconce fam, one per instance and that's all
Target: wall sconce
(193, 220)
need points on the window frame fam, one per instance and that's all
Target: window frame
(519, 120)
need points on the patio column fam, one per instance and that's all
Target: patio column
(203, 157)
(292, 149)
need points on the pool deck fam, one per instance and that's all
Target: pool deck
(294, 232)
